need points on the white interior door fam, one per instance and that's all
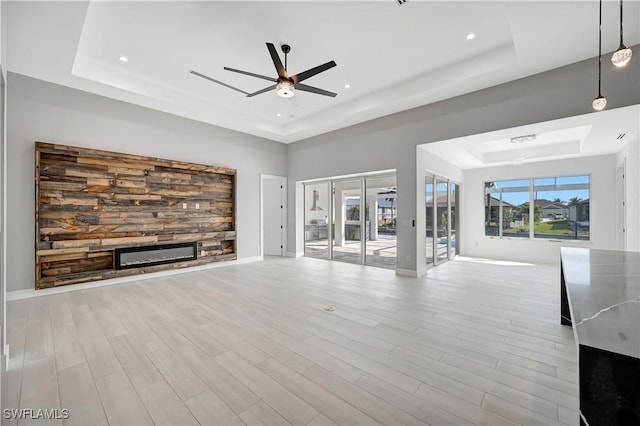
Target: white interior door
(274, 196)
(621, 207)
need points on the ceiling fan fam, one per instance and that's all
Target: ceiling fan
(285, 85)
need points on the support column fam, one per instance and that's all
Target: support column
(373, 217)
(338, 208)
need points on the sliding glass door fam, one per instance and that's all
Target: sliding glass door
(442, 223)
(349, 223)
(316, 219)
(381, 207)
(442, 220)
(429, 215)
(357, 215)
(454, 219)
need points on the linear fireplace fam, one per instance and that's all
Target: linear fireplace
(137, 257)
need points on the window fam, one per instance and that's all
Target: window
(507, 208)
(562, 207)
(544, 208)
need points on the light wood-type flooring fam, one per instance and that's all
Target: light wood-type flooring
(474, 342)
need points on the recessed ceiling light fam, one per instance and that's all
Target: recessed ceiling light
(471, 36)
(346, 86)
(278, 115)
(123, 58)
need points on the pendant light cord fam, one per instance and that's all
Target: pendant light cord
(600, 49)
(621, 43)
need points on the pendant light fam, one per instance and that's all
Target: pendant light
(622, 56)
(600, 101)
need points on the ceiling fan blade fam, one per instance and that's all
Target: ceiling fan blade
(266, 89)
(306, 88)
(218, 82)
(311, 72)
(264, 77)
(282, 73)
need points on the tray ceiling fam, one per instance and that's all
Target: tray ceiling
(393, 57)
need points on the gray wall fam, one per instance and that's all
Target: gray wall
(41, 111)
(390, 142)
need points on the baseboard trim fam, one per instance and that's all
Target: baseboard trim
(406, 272)
(5, 358)
(29, 293)
(296, 254)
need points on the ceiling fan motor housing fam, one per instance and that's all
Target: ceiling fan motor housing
(284, 88)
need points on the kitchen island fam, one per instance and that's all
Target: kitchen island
(600, 299)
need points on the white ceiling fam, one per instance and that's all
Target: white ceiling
(598, 133)
(394, 57)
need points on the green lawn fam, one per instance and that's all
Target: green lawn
(556, 227)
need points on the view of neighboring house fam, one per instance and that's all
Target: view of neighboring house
(495, 205)
(553, 210)
(579, 212)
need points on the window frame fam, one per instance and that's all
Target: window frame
(531, 190)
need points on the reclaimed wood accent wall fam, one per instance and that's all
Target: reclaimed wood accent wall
(90, 202)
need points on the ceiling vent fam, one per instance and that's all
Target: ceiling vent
(523, 138)
(621, 135)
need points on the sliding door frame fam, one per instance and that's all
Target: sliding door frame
(333, 204)
(435, 179)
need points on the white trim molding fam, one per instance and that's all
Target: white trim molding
(29, 293)
(406, 272)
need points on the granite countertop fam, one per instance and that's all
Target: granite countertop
(603, 289)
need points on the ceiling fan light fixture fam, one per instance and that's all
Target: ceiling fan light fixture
(284, 89)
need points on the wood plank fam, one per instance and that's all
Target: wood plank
(425, 410)
(62, 251)
(209, 409)
(66, 342)
(234, 393)
(164, 406)
(261, 414)
(40, 390)
(182, 379)
(371, 405)
(115, 200)
(392, 376)
(316, 396)
(121, 402)
(288, 405)
(140, 370)
(78, 394)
